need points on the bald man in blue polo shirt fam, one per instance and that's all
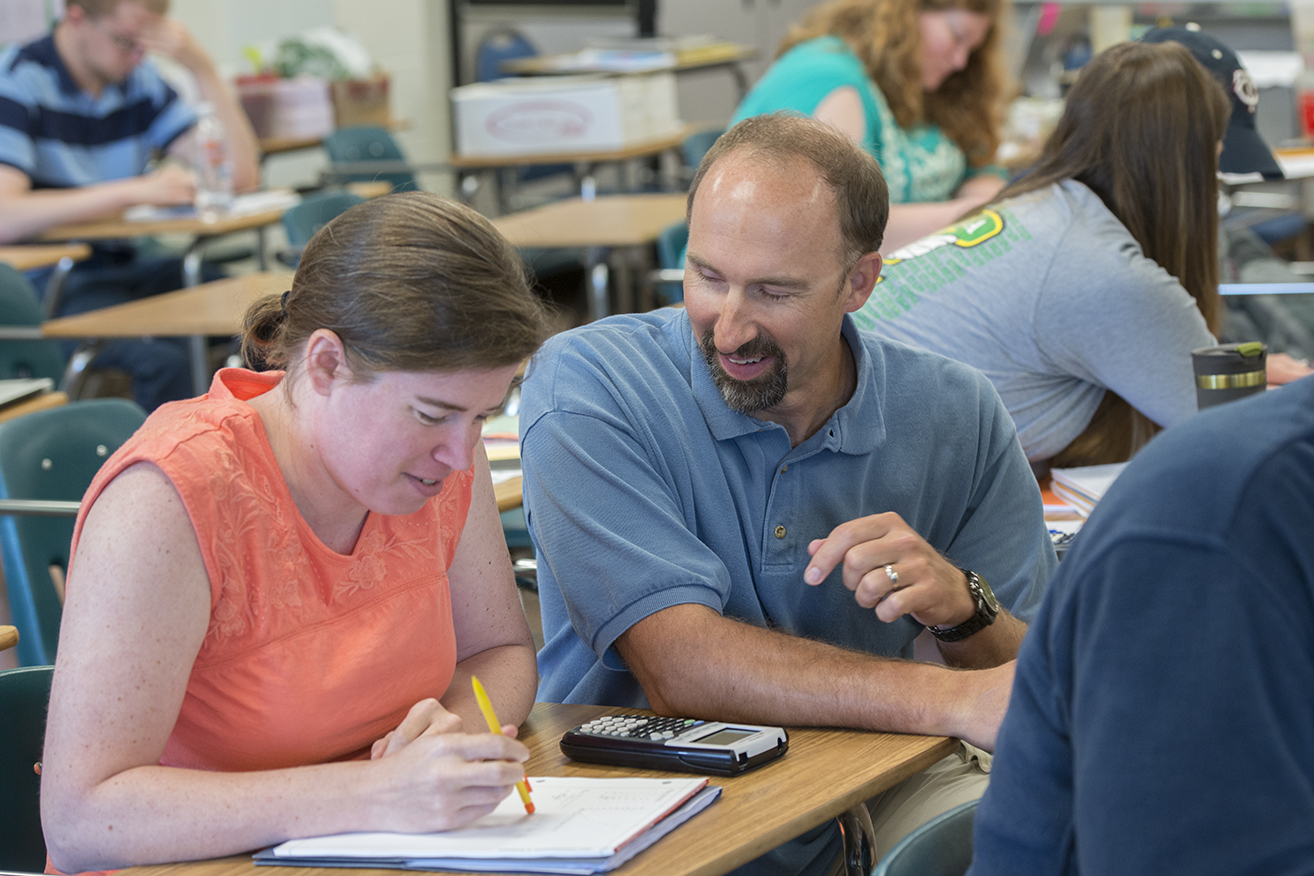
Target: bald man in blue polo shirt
(83, 115)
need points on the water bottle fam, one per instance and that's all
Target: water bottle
(213, 166)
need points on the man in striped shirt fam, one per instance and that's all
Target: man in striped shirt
(83, 116)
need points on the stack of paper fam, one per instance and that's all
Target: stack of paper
(579, 826)
(1083, 487)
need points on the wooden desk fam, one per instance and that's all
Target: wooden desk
(118, 228)
(471, 166)
(42, 402)
(691, 58)
(27, 258)
(212, 309)
(824, 773)
(599, 225)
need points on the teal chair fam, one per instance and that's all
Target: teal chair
(940, 847)
(314, 212)
(671, 244)
(50, 455)
(20, 306)
(24, 695)
(364, 144)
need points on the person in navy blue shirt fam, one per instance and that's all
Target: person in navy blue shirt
(1161, 717)
(83, 116)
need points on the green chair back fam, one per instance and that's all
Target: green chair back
(364, 143)
(940, 847)
(24, 695)
(314, 212)
(671, 244)
(51, 454)
(20, 305)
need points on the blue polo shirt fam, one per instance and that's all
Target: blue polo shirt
(61, 136)
(644, 490)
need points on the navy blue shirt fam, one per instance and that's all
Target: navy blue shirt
(61, 136)
(1162, 718)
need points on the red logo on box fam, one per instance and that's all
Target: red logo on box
(533, 120)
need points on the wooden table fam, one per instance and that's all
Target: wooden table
(597, 226)
(700, 57)
(30, 257)
(824, 773)
(118, 228)
(587, 162)
(212, 309)
(42, 402)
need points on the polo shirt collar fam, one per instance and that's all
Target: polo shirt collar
(43, 51)
(856, 428)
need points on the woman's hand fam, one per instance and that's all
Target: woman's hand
(440, 778)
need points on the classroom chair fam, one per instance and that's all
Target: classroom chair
(50, 454)
(20, 306)
(364, 144)
(669, 278)
(940, 847)
(496, 46)
(24, 694)
(693, 149)
(314, 212)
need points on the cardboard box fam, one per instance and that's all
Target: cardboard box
(361, 101)
(287, 108)
(552, 114)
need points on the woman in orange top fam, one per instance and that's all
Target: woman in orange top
(280, 590)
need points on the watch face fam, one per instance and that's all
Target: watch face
(991, 605)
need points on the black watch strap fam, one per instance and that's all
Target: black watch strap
(987, 609)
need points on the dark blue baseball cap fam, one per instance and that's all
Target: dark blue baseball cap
(1244, 151)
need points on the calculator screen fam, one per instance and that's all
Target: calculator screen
(727, 736)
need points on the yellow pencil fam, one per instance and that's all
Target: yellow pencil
(485, 706)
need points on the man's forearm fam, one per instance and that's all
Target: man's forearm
(691, 661)
(996, 644)
(24, 217)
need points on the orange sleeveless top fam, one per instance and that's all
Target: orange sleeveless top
(311, 655)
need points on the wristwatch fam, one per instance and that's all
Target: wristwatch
(987, 609)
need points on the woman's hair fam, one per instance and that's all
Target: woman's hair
(886, 36)
(1141, 129)
(409, 282)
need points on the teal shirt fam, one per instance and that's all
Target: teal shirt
(920, 163)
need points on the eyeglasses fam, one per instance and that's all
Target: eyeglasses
(125, 43)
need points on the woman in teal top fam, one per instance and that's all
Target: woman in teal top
(918, 84)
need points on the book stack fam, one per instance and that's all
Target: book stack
(1083, 487)
(580, 826)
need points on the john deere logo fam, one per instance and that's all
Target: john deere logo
(968, 233)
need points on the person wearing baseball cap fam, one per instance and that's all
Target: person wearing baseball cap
(1244, 151)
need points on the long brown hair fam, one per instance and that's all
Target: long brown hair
(409, 282)
(1141, 129)
(886, 36)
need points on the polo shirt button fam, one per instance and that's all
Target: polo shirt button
(780, 532)
(784, 468)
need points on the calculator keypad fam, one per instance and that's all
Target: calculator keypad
(640, 727)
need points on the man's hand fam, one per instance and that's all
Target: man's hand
(171, 38)
(925, 584)
(166, 187)
(1282, 369)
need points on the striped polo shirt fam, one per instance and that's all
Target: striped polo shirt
(61, 136)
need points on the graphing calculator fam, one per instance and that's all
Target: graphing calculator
(680, 744)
